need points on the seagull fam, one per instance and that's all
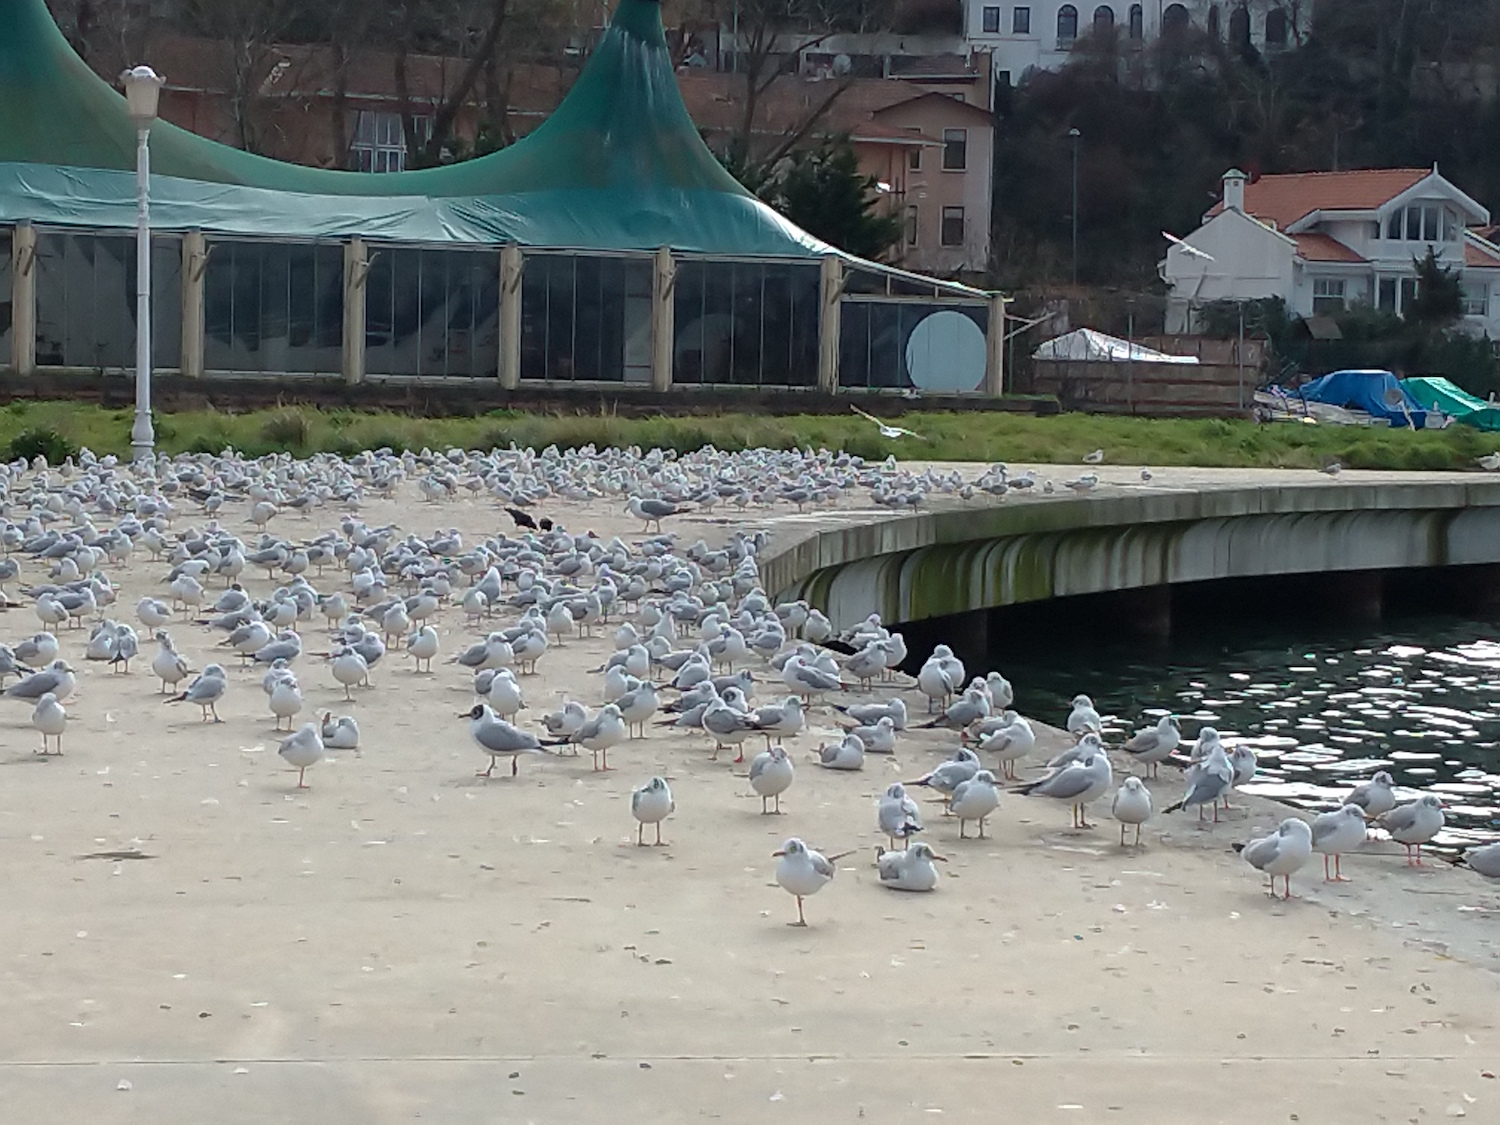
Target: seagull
(497, 738)
(1154, 745)
(1187, 247)
(975, 799)
(1146, 473)
(1078, 783)
(1282, 853)
(1342, 830)
(303, 749)
(1085, 483)
(1483, 861)
(897, 814)
(57, 677)
(1094, 458)
(887, 431)
(49, 718)
(205, 691)
(1332, 469)
(1010, 741)
(803, 872)
(341, 733)
(1132, 805)
(1414, 823)
(771, 776)
(1490, 462)
(1084, 718)
(909, 870)
(846, 754)
(651, 803)
(1207, 780)
(649, 510)
(607, 728)
(947, 776)
(1375, 797)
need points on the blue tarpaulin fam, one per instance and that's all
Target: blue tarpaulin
(1370, 391)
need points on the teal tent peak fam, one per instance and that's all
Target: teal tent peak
(622, 124)
(618, 166)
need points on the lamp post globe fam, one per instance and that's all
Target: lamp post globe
(142, 95)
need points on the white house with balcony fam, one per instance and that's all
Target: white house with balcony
(1323, 241)
(1041, 34)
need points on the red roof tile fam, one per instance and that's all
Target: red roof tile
(1477, 256)
(1285, 199)
(1318, 247)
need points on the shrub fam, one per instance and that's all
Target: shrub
(289, 430)
(41, 442)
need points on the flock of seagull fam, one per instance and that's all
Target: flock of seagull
(694, 636)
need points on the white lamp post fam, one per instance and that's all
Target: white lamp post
(142, 91)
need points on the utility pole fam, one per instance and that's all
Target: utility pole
(1075, 136)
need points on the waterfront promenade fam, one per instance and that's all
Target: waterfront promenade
(406, 942)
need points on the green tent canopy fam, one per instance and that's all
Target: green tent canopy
(1437, 393)
(618, 166)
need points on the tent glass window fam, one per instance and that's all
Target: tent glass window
(745, 323)
(1020, 21)
(1328, 295)
(85, 301)
(273, 308)
(586, 318)
(1067, 26)
(432, 313)
(882, 346)
(991, 17)
(6, 311)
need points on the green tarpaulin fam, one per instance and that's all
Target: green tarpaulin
(618, 166)
(1437, 393)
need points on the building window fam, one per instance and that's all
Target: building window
(1020, 21)
(1328, 295)
(1137, 23)
(1175, 19)
(1393, 225)
(1409, 289)
(1423, 224)
(1386, 299)
(991, 17)
(911, 225)
(1104, 18)
(914, 158)
(1477, 300)
(1451, 225)
(1239, 28)
(1067, 26)
(955, 150)
(379, 141)
(1276, 28)
(952, 233)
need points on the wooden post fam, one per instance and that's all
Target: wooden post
(663, 319)
(994, 368)
(511, 269)
(23, 299)
(356, 272)
(194, 266)
(828, 324)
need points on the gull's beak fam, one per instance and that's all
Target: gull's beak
(778, 851)
(463, 714)
(941, 858)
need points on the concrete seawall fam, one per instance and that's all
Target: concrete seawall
(1188, 526)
